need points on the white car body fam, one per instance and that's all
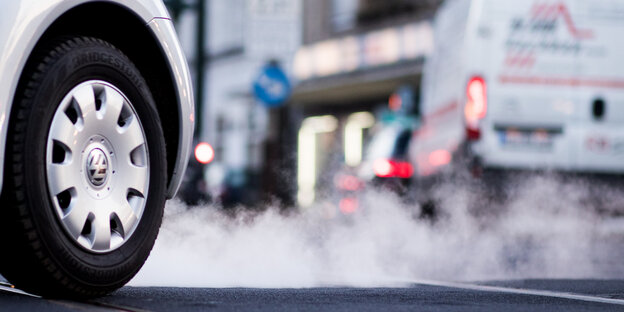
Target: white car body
(23, 23)
(546, 65)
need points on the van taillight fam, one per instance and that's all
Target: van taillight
(476, 106)
(386, 168)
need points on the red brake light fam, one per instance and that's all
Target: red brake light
(404, 170)
(476, 106)
(348, 205)
(348, 182)
(204, 153)
(385, 168)
(439, 158)
(395, 102)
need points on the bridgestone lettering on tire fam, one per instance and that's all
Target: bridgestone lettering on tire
(85, 172)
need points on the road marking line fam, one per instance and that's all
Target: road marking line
(520, 291)
(8, 288)
(116, 307)
(79, 306)
(83, 306)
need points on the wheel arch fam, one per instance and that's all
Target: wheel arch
(128, 32)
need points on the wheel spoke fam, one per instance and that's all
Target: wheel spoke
(129, 137)
(127, 217)
(64, 131)
(62, 177)
(102, 232)
(76, 219)
(85, 98)
(133, 178)
(112, 103)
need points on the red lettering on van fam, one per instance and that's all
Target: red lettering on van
(560, 10)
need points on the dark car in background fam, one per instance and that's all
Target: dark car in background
(385, 167)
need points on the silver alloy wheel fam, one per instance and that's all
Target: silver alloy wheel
(97, 166)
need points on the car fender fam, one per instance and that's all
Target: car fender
(22, 24)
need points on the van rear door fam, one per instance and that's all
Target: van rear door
(599, 131)
(554, 85)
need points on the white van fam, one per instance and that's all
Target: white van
(524, 84)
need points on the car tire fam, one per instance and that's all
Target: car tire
(85, 172)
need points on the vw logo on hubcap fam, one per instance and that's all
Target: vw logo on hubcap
(97, 167)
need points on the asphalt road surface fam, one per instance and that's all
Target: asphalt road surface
(519, 295)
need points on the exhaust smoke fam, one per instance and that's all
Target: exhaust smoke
(547, 229)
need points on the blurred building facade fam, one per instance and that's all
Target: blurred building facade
(355, 55)
(345, 59)
(239, 38)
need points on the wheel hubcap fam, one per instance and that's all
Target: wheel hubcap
(97, 166)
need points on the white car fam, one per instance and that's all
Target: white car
(96, 121)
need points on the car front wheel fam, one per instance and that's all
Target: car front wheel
(85, 172)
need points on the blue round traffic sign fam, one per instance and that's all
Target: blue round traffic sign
(272, 87)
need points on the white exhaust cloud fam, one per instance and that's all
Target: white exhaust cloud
(548, 229)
